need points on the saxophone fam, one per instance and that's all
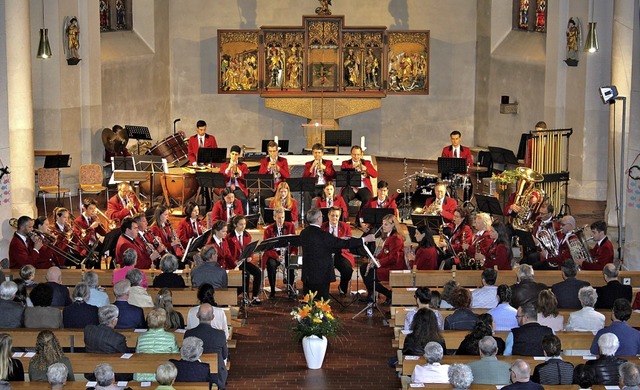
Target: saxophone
(463, 256)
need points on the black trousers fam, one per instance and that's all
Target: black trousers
(272, 266)
(254, 271)
(363, 195)
(369, 280)
(344, 267)
(321, 288)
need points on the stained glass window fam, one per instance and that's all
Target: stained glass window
(530, 15)
(115, 15)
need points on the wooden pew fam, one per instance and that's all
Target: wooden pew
(82, 385)
(188, 296)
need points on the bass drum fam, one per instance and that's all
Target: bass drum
(420, 196)
(173, 148)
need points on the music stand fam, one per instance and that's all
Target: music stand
(194, 244)
(269, 217)
(523, 145)
(374, 217)
(57, 162)
(285, 241)
(348, 177)
(488, 204)
(138, 133)
(325, 213)
(283, 145)
(260, 183)
(301, 185)
(337, 138)
(109, 246)
(247, 252)
(503, 156)
(211, 155)
(374, 296)
(122, 163)
(210, 179)
(433, 222)
(153, 165)
(451, 165)
(252, 220)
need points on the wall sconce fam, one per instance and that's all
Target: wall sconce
(591, 44)
(44, 49)
(506, 107)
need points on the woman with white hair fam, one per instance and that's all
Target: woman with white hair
(433, 371)
(57, 375)
(97, 297)
(80, 314)
(606, 365)
(105, 377)
(166, 375)
(190, 368)
(138, 295)
(460, 376)
(586, 319)
(168, 277)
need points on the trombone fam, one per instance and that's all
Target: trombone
(143, 205)
(111, 223)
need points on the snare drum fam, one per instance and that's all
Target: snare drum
(172, 148)
(179, 185)
(426, 180)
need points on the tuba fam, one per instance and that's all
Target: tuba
(578, 245)
(525, 188)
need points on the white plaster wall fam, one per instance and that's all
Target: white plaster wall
(5, 207)
(143, 21)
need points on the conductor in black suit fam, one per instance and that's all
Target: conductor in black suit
(317, 248)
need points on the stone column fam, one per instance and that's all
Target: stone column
(20, 107)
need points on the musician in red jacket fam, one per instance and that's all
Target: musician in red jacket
(283, 198)
(343, 260)
(128, 240)
(234, 172)
(382, 201)
(238, 239)
(226, 208)
(602, 252)
(441, 204)
(88, 227)
(272, 258)
(218, 240)
(460, 230)
(389, 252)
(200, 140)
(161, 228)
(549, 261)
(23, 250)
(499, 252)
(330, 199)
(425, 256)
(456, 150)
(320, 169)
(122, 204)
(191, 225)
(482, 239)
(364, 191)
(274, 165)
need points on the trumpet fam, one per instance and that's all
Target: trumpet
(233, 168)
(317, 165)
(273, 168)
(111, 223)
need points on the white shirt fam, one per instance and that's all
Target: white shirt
(586, 319)
(431, 373)
(219, 320)
(485, 297)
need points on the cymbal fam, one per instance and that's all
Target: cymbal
(245, 147)
(122, 138)
(107, 139)
(408, 177)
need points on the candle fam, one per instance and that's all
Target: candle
(275, 139)
(362, 143)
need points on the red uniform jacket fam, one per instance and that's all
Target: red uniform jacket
(371, 171)
(329, 172)
(391, 257)
(244, 170)
(388, 204)
(293, 209)
(282, 163)
(271, 231)
(484, 241)
(224, 254)
(338, 201)
(90, 237)
(344, 230)
(426, 259)
(219, 211)
(117, 210)
(62, 242)
(449, 206)
(465, 152)
(124, 243)
(192, 147)
(456, 237)
(185, 231)
(21, 254)
(164, 234)
(602, 254)
(235, 246)
(498, 254)
(564, 254)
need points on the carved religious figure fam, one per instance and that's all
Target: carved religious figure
(324, 7)
(72, 38)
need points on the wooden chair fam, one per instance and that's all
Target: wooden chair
(48, 184)
(91, 181)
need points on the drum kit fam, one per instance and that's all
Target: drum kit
(179, 184)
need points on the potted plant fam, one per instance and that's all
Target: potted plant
(313, 322)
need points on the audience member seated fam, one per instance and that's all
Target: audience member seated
(12, 312)
(432, 371)
(138, 295)
(606, 365)
(155, 340)
(584, 376)
(129, 259)
(103, 338)
(48, 351)
(190, 368)
(60, 293)
(629, 375)
(526, 340)
(168, 277)
(620, 315)
(486, 297)
(22, 296)
(447, 289)
(483, 327)
(164, 300)
(566, 292)
(520, 380)
(213, 340)
(28, 274)
(426, 253)
(547, 307)
(504, 315)
(97, 297)
(42, 314)
(166, 376)
(554, 371)
(489, 370)
(105, 378)
(525, 290)
(460, 376)
(462, 318)
(209, 271)
(424, 329)
(130, 317)
(206, 294)
(11, 369)
(423, 300)
(57, 374)
(586, 319)
(80, 314)
(613, 290)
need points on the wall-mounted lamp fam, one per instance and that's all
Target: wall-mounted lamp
(44, 49)
(591, 44)
(506, 107)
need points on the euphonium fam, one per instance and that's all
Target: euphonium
(578, 245)
(548, 239)
(525, 188)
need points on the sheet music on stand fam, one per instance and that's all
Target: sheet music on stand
(150, 163)
(348, 177)
(138, 132)
(246, 253)
(195, 243)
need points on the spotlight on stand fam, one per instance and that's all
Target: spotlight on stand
(608, 94)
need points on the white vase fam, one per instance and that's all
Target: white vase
(314, 349)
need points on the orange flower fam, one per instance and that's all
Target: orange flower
(304, 311)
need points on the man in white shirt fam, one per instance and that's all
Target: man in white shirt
(433, 371)
(486, 297)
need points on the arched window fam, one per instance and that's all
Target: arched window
(115, 15)
(530, 15)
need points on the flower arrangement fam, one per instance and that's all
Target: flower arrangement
(313, 318)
